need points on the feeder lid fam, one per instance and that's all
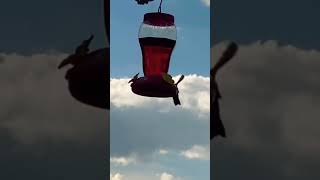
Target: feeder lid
(158, 19)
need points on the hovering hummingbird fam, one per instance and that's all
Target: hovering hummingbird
(216, 124)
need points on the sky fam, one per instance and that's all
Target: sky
(192, 19)
(270, 91)
(44, 132)
(151, 139)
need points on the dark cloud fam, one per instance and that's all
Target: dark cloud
(245, 21)
(1, 59)
(35, 26)
(270, 110)
(45, 133)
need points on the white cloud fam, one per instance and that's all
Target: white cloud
(142, 176)
(206, 2)
(166, 176)
(163, 151)
(197, 152)
(141, 125)
(194, 95)
(122, 161)
(116, 176)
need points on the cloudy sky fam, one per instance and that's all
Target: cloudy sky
(45, 133)
(151, 139)
(269, 107)
(270, 90)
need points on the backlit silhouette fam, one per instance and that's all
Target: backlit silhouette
(216, 124)
(89, 77)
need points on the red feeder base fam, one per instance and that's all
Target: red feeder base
(155, 86)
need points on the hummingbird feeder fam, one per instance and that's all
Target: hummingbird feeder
(157, 39)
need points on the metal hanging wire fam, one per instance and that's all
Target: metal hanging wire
(159, 9)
